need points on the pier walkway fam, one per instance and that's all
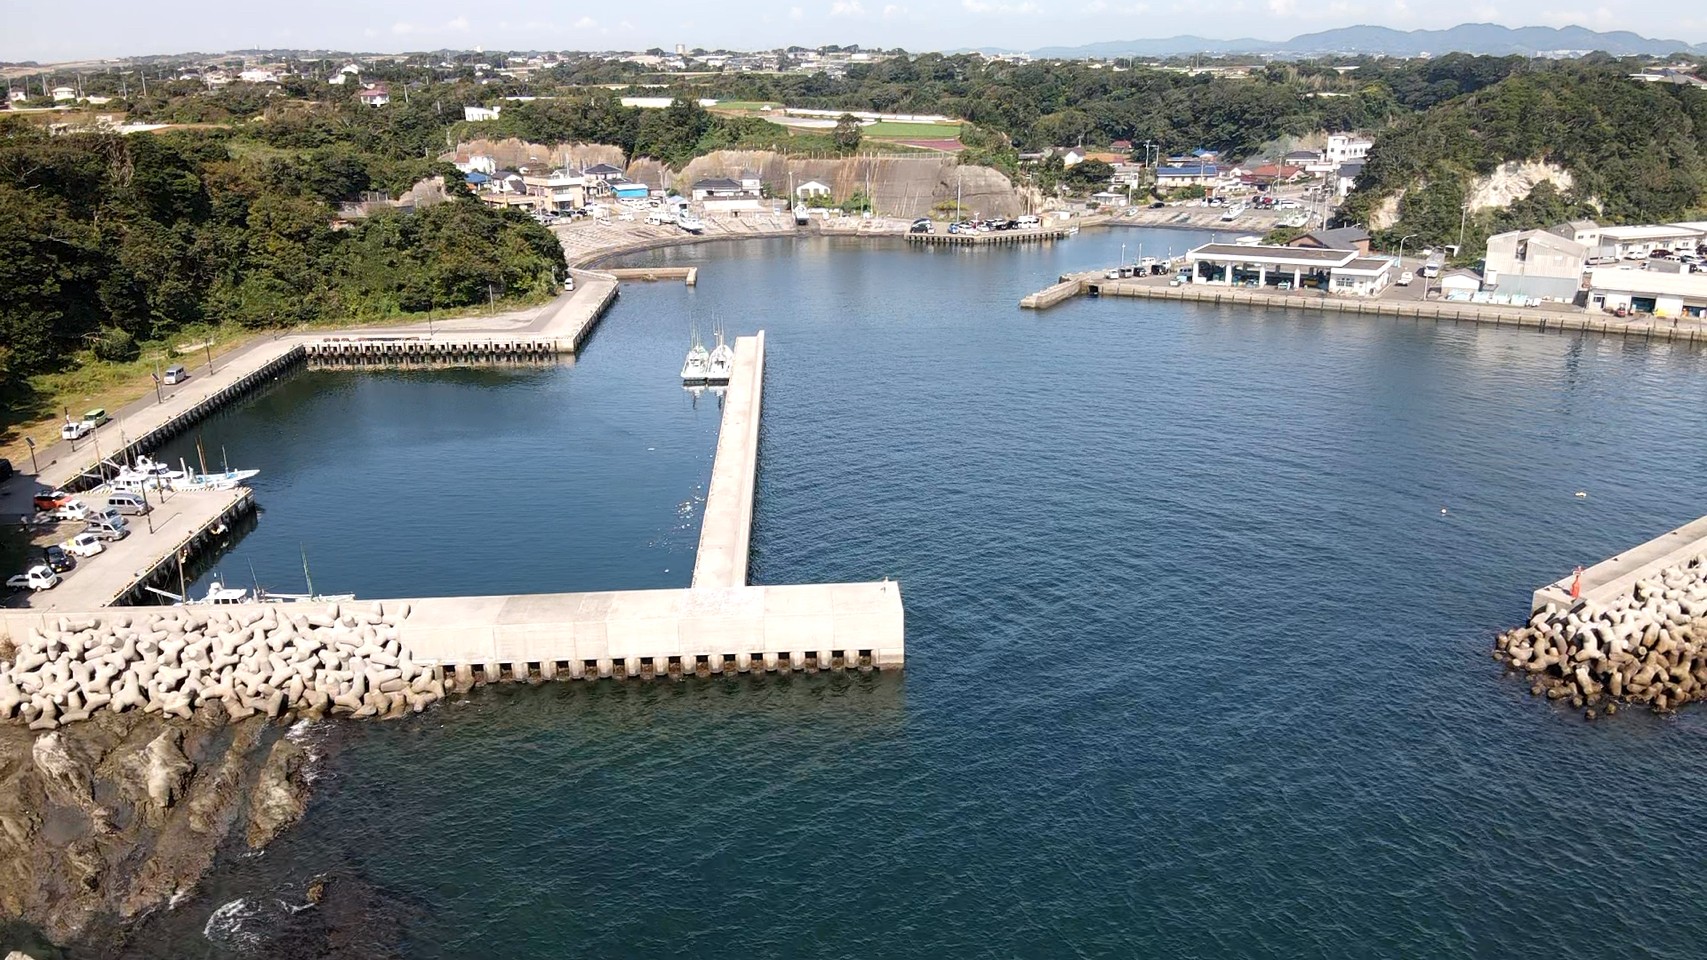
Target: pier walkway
(1547, 321)
(1613, 577)
(727, 525)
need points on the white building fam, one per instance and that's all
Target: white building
(1638, 242)
(811, 188)
(1459, 285)
(1346, 147)
(64, 94)
(1585, 232)
(258, 76)
(481, 114)
(1345, 272)
(1648, 291)
(1534, 263)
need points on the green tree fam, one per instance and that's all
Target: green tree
(848, 133)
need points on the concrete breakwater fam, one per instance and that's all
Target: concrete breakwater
(1092, 284)
(1647, 647)
(249, 659)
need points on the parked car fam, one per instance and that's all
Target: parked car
(48, 501)
(176, 374)
(76, 429)
(1406, 278)
(71, 510)
(96, 417)
(38, 577)
(56, 557)
(83, 545)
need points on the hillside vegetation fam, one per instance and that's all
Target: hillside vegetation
(110, 242)
(1636, 153)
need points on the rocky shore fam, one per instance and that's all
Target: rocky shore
(1647, 648)
(141, 740)
(106, 821)
(234, 662)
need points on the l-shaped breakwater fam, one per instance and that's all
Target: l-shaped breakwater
(1095, 284)
(390, 657)
(1631, 629)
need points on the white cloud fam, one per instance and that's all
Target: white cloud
(893, 11)
(1130, 9)
(1283, 8)
(585, 23)
(459, 25)
(1488, 13)
(402, 27)
(796, 14)
(846, 8)
(983, 6)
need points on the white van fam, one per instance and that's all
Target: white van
(107, 527)
(128, 503)
(176, 374)
(1028, 222)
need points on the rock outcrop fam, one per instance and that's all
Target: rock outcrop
(105, 820)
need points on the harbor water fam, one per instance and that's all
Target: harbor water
(1199, 610)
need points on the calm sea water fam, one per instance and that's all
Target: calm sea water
(1199, 608)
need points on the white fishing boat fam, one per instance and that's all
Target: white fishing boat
(143, 474)
(721, 361)
(188, 481)
(217, 593)
(698, 364)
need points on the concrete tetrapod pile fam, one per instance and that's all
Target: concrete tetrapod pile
(271, 660)
(1646, 647)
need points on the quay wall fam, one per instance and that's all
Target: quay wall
(688, 275)
(1435, 310)
(989, 239)
(726, 527)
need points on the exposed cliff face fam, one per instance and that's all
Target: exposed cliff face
(512, 153)
(1513, 181)
(899, 186)
(105, 820)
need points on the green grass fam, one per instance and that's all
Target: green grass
(899, 130)
(746, 105)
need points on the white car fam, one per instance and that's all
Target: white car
(38, 577)
(1406, 278)
(74, 510)
(76, 429)
(83, 545)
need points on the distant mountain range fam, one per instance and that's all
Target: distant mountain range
(1480, 38)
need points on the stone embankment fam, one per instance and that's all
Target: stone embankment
(1647, 647)
(247, 660)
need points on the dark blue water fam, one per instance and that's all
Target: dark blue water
(1197, 664)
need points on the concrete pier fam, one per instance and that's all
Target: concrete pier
(999, 237)
(1544, 321)
(183, 526)
(1615, 576)
(727, 526)
(687, 275)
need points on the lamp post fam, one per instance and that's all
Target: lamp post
(31, 443)
(1402, 247)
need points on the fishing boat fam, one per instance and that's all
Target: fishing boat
(188, 481)
(698, 363)
(721, 362)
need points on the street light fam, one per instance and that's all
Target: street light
(31, 443)
(1402, 247)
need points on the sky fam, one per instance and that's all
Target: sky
(110, 28)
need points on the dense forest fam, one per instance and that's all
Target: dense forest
(109, 241)
(1636, 152)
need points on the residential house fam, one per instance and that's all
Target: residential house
(750, 183)
(1187, 175)
(1302, 158)
(1070, 157)
(345, 72)
(605, 172)
(626, 190)
(476, 163)
(481, 114)
(1346, 147)
(1534, 263)
(1121, 146)
(63, 94)
(377, 95)
(1266, 174)
(810, 189)
(718, 188)
(558, 191)
(258, 76)
(16, 95)
(1585, 232)
(1109, 198)
(1648, 291)
(1362, 277)
(1345, 178)
(1338, 238)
